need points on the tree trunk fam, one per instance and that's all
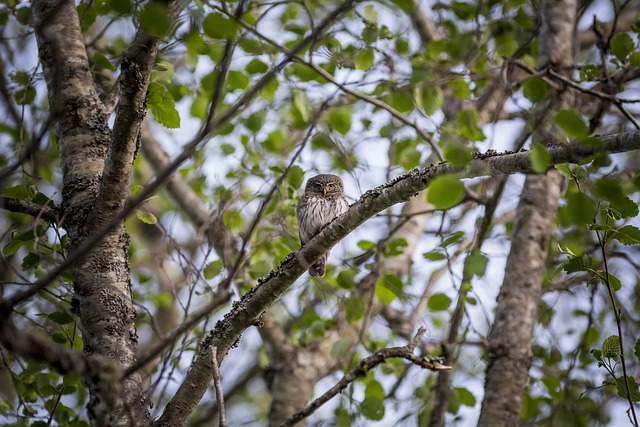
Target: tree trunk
(102, 284)
(509, 351)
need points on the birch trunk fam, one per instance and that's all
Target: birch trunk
(509, 351)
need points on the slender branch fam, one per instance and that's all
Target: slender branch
(217, 383)
(366, 365)
(616, 311)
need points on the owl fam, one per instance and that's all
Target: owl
(323, 200)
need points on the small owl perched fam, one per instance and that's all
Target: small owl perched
(323, 200)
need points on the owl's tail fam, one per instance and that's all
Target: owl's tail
(317, 269)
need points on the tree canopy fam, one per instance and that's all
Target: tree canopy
(152, 157)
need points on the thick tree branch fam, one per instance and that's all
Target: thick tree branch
(47, 213)
(136, 67)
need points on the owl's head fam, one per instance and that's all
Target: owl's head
(325, 184)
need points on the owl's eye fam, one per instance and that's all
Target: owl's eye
(330, 186)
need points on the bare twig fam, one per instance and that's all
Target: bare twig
(217, 383)
(365, 365)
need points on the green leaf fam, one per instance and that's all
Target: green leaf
(212, 269)
(367, 245)
(438, 302)
(628, 235)
(459, 88)
(580, 208)
(579, 263)
(346, 279)
(372, 408)
(431, 99)
(354, 309)
(155, 19)
(30, 261)
(363, 59)
(611, 347)
(218, 26)
(396, 247)
(435, 255)
(566, 171)
(370, 14)
(20, 77)
(101, 61)
(25, 96)
(59, 338)
(636, 349)
(256, 67)
(255, 121)
(401, 100)
(466, 397)
(614, 282)
(535, 89)
(445, 192)
(17, 192)
(374, 389)
(301, 104)
(146, 217)
(634, 59)
(457, 154)
(383, 293)
(122, 7)
(12, 247)
(467, 121)
(452, 239)
(340, 348)
(296, 176)
(60, 317)
(622, 45)
(275, 141)
(540, 158)
(633, 388)
(611, 190)
(166, 114)
(589, 73)
(475, 264)
(162, 106)
(237, 80)
(572, 124)
(340, 119)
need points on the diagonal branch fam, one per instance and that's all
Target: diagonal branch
(136, 67)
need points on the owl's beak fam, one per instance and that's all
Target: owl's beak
(324, 191)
